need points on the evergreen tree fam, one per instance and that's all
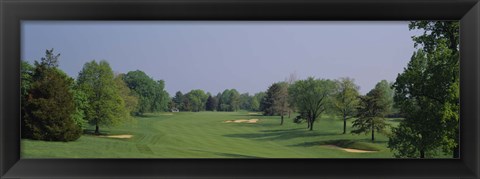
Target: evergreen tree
(49, 104)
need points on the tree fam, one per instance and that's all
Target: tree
(256, 99)
(49, 103)
(81, 104)
(245, 101)
(290, 80)
(197, 100)
(276, 100)
(346, 99)
(160, 102)
(427, 93)
(129, 97)
(370, 113)
(211, 103)
(151, 94)
(229, 100)
(178, 100)
(311, 97)
(280, 102)
(388, 93)
(106, 107)
(424, 106)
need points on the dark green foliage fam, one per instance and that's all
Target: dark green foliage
(275, 101)
(427, 93)
(370, 113)
(48, 106)
(212, 102)
(151, 93)
(311, 97)
(178, 101)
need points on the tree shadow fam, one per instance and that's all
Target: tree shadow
(227, 154)
(234, 155)
(345, 143)
(279, 134)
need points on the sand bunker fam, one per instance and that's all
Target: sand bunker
(350, 150)
(252, 113)
(242, 121)
(126, 136)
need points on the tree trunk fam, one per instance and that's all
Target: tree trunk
(308, 123)
(422, 154)
(311, 125)
(281, 122)
(344, 124)
(97, 130)
(289, 112)
(373, 131)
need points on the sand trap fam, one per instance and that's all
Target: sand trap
(242, 121)
(350, 150)
(252, 113)
(126, 136)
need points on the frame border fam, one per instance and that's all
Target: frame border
(13, 11)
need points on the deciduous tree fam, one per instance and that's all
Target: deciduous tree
(346, 99)
(311, 97)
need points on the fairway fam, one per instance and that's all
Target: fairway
(210, 135)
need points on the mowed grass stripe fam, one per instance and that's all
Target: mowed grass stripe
(205, 135)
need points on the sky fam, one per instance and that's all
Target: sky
(216, 55)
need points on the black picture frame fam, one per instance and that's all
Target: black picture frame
(12, 12)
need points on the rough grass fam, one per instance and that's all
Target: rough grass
(205, 135)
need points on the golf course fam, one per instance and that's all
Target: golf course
(301, 104)
(216, 135)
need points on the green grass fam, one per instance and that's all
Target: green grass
(205, 135)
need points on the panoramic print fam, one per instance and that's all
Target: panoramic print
(239, 89)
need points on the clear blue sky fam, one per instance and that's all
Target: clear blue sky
(216, 55)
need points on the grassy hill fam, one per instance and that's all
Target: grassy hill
(207, 135)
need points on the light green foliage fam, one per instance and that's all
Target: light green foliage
(26, 72)
(81, 104)
(129, 97)
(197, 100)
(229, 100)
(256, 99)
(387, 95)
(370, 113)
(311, 96)
(345, 99)
(106, 107)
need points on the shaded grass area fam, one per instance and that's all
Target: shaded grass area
(205, 135)
(342, 143)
